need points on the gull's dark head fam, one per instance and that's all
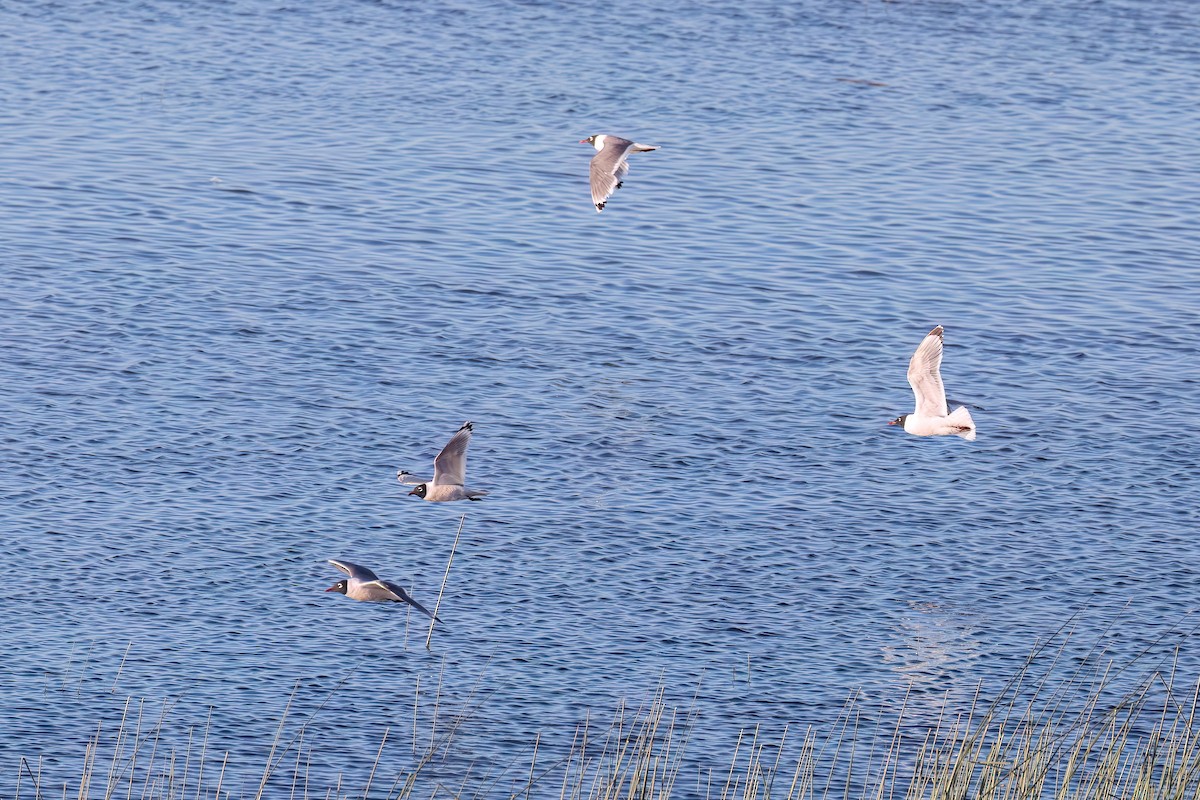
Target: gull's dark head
(420, 491)
(339, 587)
(589, 140)
(899, 420)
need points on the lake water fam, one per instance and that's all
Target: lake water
(257, 256)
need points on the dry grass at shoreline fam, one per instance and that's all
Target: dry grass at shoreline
(1085, 731)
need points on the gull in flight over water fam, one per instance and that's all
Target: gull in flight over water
(449, 472)
(609, 165)
(932, 417)
(365, 585)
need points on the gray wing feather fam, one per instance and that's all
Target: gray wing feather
(355, 571)
(925, 376)
(609, 167)
(405, 597)
(450, 466)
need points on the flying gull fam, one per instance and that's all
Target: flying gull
(609, 165)
(449, 472)
(931, 417)
(365, 585)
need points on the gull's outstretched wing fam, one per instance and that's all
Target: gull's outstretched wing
(404, 597)
(608, 168)
(925, 376)
(450, 466)
(355, 571)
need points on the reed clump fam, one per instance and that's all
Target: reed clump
(1089, 732)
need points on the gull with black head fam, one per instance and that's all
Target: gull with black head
(931, 417)
(449, 472)
(609, 165)
(365, 585)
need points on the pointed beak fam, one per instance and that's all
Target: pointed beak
(583, 141)
(332, 588)
(414, 491)
(891, 422)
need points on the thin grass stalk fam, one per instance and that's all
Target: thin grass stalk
(162, 716)
(120, 667)
(532, 761)
(648, 762)
(775, 765)
(483, 782)
(445, 577)
(89, 764)
(621, 746)
(378, 754)
(221, 776)
(562, 792)
(262, 785)
(203, 754)
(137, 743)
(732, 765)
(853, 752)
(459, 720)
(83, 670)
(614, 776)
(463, 787)
(844, 718)
(406, 789)
(296, 767)
(487, 790)
(893, 752)
(642, 750)
(118, 748)
(67, 669)
(187, 753)
(37, 780)
(307, 769)
(597, 774)
(684, 740)
(752, 764)
(437, 703)
(273, 764)
(467, 711)
(577, 794)
(1190, 757)
(416, 701)
(647, 742)
(665, 759)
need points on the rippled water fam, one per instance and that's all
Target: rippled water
(258, 256)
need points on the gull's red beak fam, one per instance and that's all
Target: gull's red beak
(891, 422)
(332, 588)
(583, 141)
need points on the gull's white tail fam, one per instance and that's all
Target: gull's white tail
(962, 418)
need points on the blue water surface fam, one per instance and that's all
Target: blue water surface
(257, 256)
